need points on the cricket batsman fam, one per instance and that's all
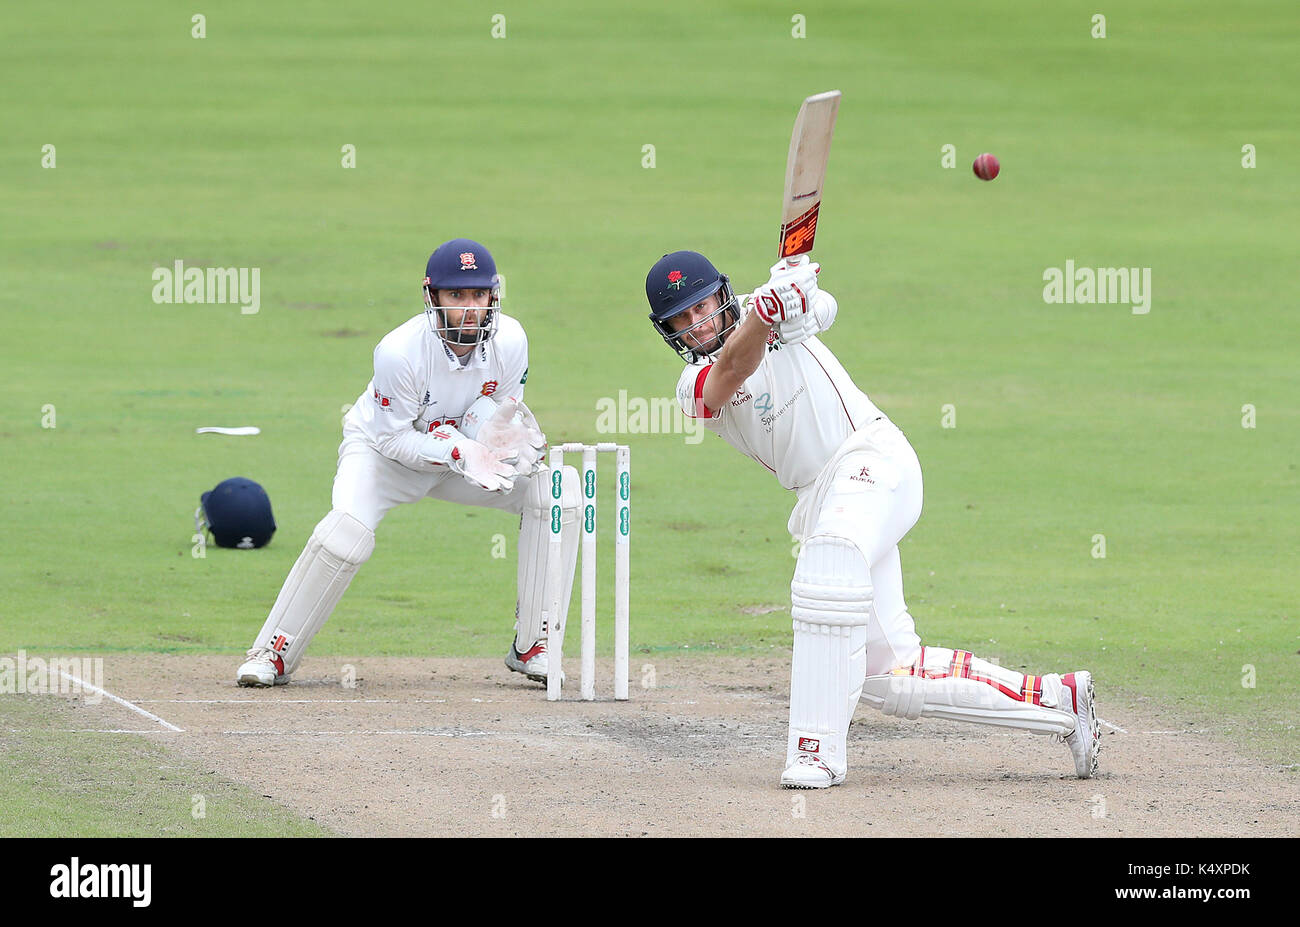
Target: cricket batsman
(442, 418)
(758, 376)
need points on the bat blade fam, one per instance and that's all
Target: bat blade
(805, 172)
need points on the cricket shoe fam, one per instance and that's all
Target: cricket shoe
(1085, 740)
(262, 668)
(809, 771)
(532, 662)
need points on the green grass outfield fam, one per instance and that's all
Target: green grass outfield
(1072, 420)
(57, 781)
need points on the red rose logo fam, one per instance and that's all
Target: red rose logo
(675, 279)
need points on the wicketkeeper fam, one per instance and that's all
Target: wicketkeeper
(443, 418)
(761, 379)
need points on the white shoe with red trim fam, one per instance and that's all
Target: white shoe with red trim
(809, 771)
(1085, 741)
(532, 662)
(262, 668)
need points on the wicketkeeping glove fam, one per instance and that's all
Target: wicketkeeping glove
(506, 426)
(532, 449)
(514, 429)
(491, 469)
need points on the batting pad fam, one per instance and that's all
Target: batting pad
(831, 600)
(534, 539)
(337, 548)
(958, 686)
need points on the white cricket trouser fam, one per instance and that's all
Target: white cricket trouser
(851, 519)
(871, 494)
(368, 484)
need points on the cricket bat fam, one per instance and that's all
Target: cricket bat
(805, 172)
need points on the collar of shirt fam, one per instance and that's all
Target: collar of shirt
(476, 358)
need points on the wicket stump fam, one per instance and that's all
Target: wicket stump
(554, 560)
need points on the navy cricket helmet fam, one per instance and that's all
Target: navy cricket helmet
(462, 264)
(238, 513)
(679, 281)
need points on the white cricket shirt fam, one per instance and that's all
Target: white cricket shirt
(790, 415)
(420, 384)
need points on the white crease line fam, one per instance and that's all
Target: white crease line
(121, 701)
(177, 730)
(1173, 732)
(93, 730)
(271, 700)
(1112, 726)
(368, 733)
(402, 733)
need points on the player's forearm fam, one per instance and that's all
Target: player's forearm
(409, 448)
(739, 358)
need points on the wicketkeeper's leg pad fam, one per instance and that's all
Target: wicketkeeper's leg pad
(957, 686)
(338, 546)
(534, 541)
(831, 601)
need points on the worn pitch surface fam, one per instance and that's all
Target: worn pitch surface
(444, 747)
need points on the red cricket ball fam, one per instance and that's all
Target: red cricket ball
(985, 166)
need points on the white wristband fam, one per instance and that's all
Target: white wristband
(439, 446)
(482, 409)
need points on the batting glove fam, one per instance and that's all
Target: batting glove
(792, 265)
(791, 296)
(802, 327)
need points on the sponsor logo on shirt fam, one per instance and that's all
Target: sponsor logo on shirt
(383, 401)
(770, 420)
(742, 396)
(864, 476)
